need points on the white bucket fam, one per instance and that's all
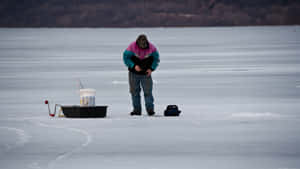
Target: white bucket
(87, 97)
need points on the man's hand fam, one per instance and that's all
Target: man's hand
(137, 68)
(149, 71)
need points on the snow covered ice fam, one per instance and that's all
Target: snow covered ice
(237, 87)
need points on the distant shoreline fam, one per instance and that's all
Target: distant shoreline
(146, 13)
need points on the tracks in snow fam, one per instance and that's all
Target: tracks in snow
(23, 137)
(68, 153)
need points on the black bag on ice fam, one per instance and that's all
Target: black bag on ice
(172, 110)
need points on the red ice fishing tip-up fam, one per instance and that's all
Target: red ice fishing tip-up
(46, 101)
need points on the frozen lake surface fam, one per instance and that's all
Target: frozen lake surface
(238, 89)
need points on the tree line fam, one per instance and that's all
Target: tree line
(147, 13)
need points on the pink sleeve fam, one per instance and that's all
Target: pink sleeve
(131, 47)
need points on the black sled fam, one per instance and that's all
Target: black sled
(84, 112)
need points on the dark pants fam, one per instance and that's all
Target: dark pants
(135, 83)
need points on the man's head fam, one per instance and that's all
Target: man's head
(142, 41)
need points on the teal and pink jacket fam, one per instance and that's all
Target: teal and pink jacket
(146, 58)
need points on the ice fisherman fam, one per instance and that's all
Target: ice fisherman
(142, 58)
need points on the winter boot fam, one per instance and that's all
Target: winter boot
(136, 113)
(150, 112)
